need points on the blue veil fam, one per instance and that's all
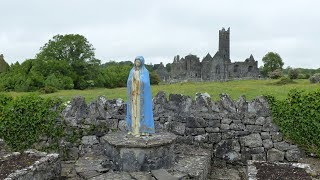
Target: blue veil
(146, 114)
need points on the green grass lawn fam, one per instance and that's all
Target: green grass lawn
(249, 88)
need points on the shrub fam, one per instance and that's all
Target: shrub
(67, 82)
(48, 90)
(27, 118)
(154, 78)
(59, 82)
(276, 74)
(53, 81)
(315, 78)
(284, 80)
(293, 73)
(307, 76)
(303, 76)
(5, 99)
(298, 118)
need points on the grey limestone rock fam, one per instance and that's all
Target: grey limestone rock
(225, 127)
(247, 120)
(203, 102)
(237, 122)
(199, 131)
(241, 104)
(178, 128)
(180, 103)
(141, 175)
(215, 107)
(195, 122)
(225, 173)
(97, 111)
(276, 136)
(265, 135)
(212, 130)
(160, 103)
(111, 175)
(270, 127)
(259, 106)
(73, 153)
(226, 121)
(214, 123)
(261, 121)
(237, 127)
(90, 166)
(282, 146)
(227, 103)
(228, 134)
(252, 140)
(228, 150)
(253, 128)
(267, 143)
(259, 157)
(214, 137)
(162, 174)
(195, 165)
(201, 138)
(256, 150)
(275, 155)
(76, 111)
(293, 155)
(122, 125)
(47, 166)
(89, 140)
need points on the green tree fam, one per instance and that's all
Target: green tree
(168, 67)
(154, 78)
(78, 53)
(116, 75)
(272, 61)
(276, 74)
(4, 66)
(293, 73)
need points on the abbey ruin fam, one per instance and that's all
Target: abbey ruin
(211, 68)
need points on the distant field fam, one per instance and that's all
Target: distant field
(249, 88)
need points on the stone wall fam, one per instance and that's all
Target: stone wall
(234, 131)
(47, 166)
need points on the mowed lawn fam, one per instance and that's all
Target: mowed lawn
(236, 88)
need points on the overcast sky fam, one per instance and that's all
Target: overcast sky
(122, 29)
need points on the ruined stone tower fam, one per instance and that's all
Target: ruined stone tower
(212, 68)
(224, 43)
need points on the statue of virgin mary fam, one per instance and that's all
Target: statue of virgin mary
(139, 115)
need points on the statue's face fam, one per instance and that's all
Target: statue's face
(137, 63)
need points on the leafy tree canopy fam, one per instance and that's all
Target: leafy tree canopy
(73, 50)
(70, 47)
(272, 61)
(4, 66)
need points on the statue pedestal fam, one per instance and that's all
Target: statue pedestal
(144, 153)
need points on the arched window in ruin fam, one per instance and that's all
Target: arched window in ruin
(236, 68)
(218, 69)
(250, 68)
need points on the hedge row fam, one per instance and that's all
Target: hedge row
(299, 118)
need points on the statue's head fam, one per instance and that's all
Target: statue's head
(139, 61)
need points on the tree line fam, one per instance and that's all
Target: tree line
(273, 68)
(66, 62)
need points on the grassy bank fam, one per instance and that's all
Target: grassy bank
(249, 88)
